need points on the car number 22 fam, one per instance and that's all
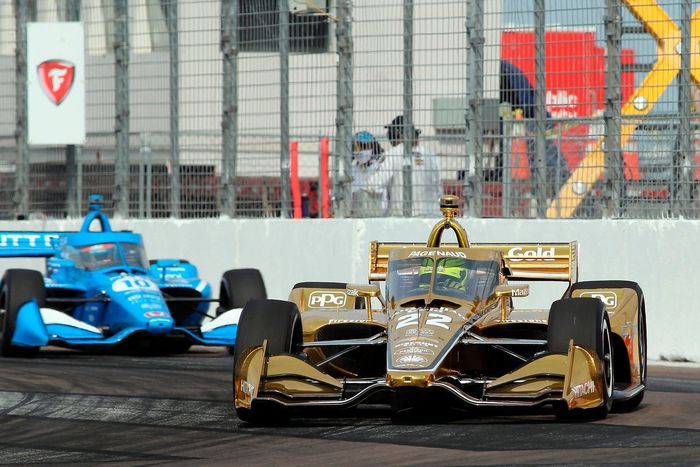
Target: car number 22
(434, 319)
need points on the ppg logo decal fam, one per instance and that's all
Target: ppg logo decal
(327, 299)
(607, 297)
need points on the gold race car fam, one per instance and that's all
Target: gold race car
(446, 332)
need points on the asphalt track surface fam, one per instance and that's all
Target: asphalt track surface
(69, 408)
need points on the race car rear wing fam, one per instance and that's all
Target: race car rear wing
(18, 244)
(523, 261)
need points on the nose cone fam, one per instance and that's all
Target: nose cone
(160, 326)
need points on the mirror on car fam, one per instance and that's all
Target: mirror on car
(512, 290)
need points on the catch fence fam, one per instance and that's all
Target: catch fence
(525, 109)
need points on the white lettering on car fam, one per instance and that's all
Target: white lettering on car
(415, 343)
(436, 319)
(518, 253)
(609, 298)
(415, 350)
(247, 387)
(419, 332)
(583, 389)
(327, 299)
(450, 254)
(409, 319)
(127, 283)
(26, 240)
(412, 359)
(340, 321)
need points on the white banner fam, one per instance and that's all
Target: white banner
(56, 83)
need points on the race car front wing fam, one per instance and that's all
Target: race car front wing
(290, 381)
(37, 327)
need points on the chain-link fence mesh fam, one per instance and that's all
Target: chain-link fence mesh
(200, 108)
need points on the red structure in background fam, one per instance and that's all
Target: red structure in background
(325, 182)
(574, 80)
(294, 178)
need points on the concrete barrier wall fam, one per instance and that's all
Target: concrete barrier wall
(659, 255)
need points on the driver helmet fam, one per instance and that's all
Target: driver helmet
(451, 273)
(102, 254)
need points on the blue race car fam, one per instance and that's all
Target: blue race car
(100, 291)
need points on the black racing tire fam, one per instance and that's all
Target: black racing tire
(238, 287)
(172, 345)
(633, 403)
(279, 322)
(585, 320)
(18, 287)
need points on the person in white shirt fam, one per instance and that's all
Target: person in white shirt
(426, 187)
(367, 192)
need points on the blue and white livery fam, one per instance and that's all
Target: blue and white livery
(100, 290)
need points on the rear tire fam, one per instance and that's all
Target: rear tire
(18, 287)
(279, 322)
(586, 321)
(238, 287)
(633, 403)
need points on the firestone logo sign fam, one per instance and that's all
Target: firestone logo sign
(56, 78)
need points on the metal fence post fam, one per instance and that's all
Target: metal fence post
(475, 101)
(73, 152)
(612, 114)
(283, 6)
(684, 160)
(540, 110)
(506, 115)
(408, 133)
(121, 104)
(229, 119)
(21, 195)
(344, 113)
(171, 15)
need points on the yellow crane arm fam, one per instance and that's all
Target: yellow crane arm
(667, 34)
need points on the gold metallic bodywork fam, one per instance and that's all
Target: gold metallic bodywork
(425, 341)
(622, 306)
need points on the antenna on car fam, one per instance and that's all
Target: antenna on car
(449, 206)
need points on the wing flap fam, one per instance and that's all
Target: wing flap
(524, 261)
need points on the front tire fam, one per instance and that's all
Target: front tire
(625, 364)
(586, 321)
(18, 287)
(278, 322)
(172, 345)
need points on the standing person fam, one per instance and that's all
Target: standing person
(367, 192)
(425, 174)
